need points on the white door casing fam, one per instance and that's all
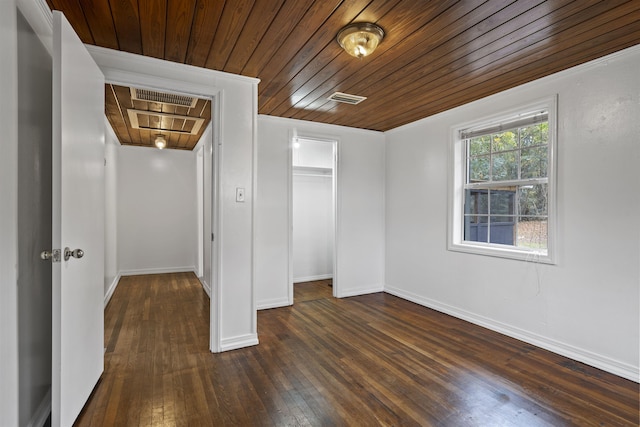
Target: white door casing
(78, 223)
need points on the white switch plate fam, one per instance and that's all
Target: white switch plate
(239, 194)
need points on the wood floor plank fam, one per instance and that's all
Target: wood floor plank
(368, 360)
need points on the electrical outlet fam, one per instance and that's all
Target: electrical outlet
(239, 194)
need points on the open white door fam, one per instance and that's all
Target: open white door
(78, 223)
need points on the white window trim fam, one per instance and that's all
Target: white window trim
(457, 170)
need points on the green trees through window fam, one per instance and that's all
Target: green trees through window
(506, 189)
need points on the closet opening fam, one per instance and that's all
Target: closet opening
(313, 214)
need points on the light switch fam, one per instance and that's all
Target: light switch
(239, 194)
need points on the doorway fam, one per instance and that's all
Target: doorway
(160, 169)
(313, 204)
(170, 170)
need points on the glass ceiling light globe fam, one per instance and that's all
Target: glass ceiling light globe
(161, 142)
(360, 39)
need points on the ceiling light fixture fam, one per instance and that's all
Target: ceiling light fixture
(161, 142)
(360, 39)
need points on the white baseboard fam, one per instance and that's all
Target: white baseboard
(359, 291)
(239, 342)
(205, 286)
(141, 271)
(599, 361)
(312, 278)
(273, 303)
(111, 290)
(42, 413)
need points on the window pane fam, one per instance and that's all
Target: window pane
(505, 141)
(533, 200)
(532, 232)
(502, 229)
(504, 166)
(479, 169)
(502, 202)
(480, 145)
(476, 228)
(533, 162)
(476, 202)
(529, 135)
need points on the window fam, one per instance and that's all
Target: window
(502, 185)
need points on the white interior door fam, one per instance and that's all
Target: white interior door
(78, 223)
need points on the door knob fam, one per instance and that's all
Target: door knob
(76, 253)
(53, 255)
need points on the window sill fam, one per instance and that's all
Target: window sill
(503, 252)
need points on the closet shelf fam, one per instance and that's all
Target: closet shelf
(309, 170)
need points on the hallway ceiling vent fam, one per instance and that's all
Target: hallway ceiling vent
(165, 98)
(346, 98)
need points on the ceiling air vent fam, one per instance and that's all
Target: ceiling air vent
(165, 98)
(346, 98)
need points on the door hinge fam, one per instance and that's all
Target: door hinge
(213, 238)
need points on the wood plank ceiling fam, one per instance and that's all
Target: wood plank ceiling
(138, 122)
(436, 55)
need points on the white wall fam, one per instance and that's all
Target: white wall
(156, 210)
(313, 227)
(360, 236)
(586, 306)
(236, 155)
(111, 269)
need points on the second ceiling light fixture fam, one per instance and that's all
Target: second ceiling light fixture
(360, 39)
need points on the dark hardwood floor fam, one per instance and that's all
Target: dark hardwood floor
(309, 291)
(360, 361)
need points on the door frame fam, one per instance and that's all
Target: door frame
(325, 139)
(9, 216)
(201, 209)
(184, 86)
